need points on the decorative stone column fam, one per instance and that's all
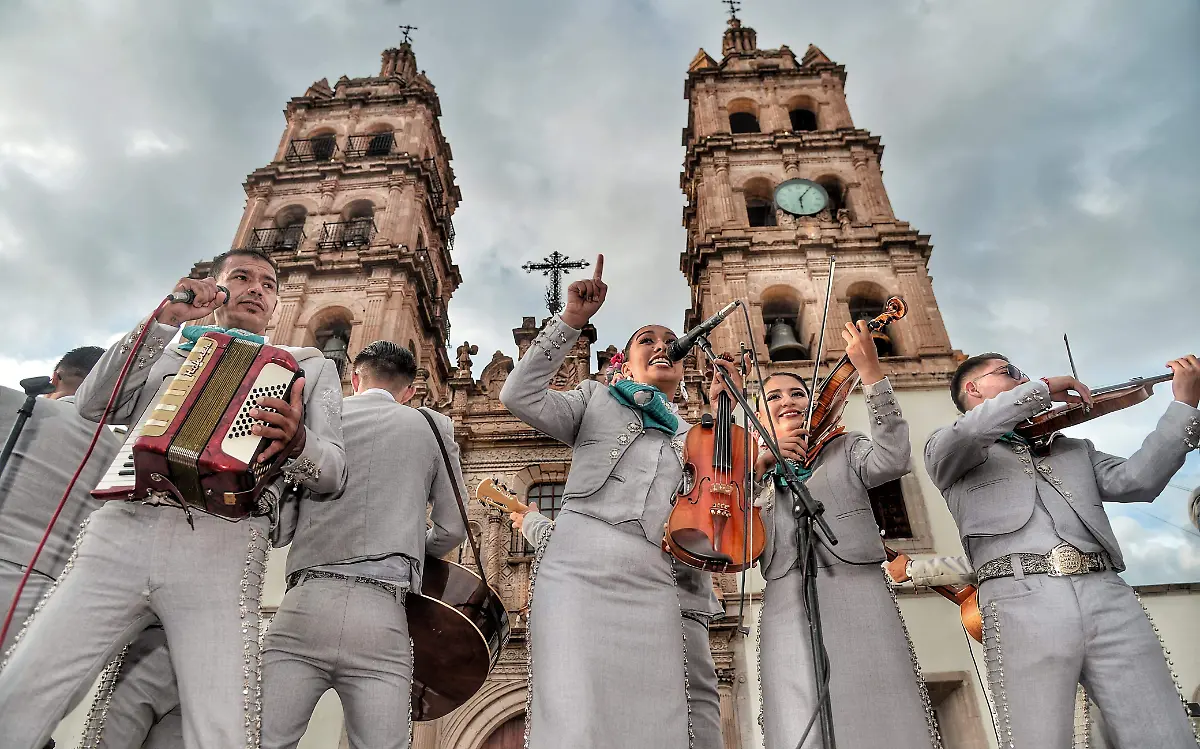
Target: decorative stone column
(727, 211)
(258, 204)
(388, 229)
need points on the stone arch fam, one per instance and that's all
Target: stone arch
(291, 215)
(322, 142)
(803, 112)
(781, 304)
(497, 702)
(495, 373)
(743, 116)
(356, 208)
(864, 300)
(836, 189)
(759, 194)
(539, 473)
(321, 320)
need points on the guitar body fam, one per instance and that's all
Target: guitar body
(458, 626)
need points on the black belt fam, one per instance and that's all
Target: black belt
(1062, 560)
(296, 578)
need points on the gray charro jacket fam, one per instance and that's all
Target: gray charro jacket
(157, 362)
(845, 469)
(991, 486)
(396, 472)
(42, 463)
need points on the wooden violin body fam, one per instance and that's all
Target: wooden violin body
(714, 526)
(967, 598)
(1105, 400)
(829, 399)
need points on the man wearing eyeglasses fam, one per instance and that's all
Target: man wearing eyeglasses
(1032, 522)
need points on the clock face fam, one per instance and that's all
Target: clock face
(801, 197)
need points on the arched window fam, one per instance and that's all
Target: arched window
(865, 301)
(334, 341)
(549, 498)
(359, 228)
(289, 224)
(837, 194)
(891, 514)
(803, 120)
(381, 144)
(760, 202)
(323, 146)
(781, 318)
(743, 116)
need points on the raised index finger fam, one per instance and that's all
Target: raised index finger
(599, 267)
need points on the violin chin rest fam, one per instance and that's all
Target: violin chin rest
(696, 543)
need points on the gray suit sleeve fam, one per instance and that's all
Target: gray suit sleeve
(447, 530)
(94, 392)
(941, 571)
(887, 454)
(535, 527)
(321, 466)
(952, 451)
(527, 394)
(1143, 476)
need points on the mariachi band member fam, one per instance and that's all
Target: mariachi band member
(343, 624)
(605, 605)
(52, 443)
(1032, 521)
(876, 691)
(142, 562)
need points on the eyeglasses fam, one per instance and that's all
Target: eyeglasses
(1009, 369)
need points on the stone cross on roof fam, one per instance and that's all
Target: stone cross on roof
(555, 266)
(405, 30)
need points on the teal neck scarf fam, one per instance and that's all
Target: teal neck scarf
(801, 472)
(648, 401)
(192, 333)
(1012, 438)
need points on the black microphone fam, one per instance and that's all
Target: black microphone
(187, 296)
(679, 349)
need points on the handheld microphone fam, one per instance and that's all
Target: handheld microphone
(187, 296)
(679, 349)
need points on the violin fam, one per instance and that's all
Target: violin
(714, 526)
(967, 598)
(829, 399)
(1105, 400)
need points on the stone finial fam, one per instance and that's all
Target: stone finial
(738, 39)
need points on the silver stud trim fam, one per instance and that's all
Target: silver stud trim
(935, 736)
(993, 658)
(1170, 666)
(98, 713)
(538, 553)
(253, 633)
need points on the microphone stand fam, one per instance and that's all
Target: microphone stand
(808, 513)
(33, 387)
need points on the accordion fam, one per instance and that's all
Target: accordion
(194, 444)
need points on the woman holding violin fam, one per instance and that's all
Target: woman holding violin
(607, 636)
(875, 688)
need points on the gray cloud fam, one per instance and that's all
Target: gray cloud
(1048, 148)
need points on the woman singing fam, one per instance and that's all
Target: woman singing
(875, 687)
(607, 638)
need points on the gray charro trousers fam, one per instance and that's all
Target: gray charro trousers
(142, 709)
(1042, 635)
(10, 578)
(136, 564)
(340, 635)
(704, 701)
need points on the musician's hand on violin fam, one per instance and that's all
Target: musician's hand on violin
(860, 348)
(518, 518)
(897, 569)
(1185, 385)
(1061, 387)
(584, 298)
(717, 386)
(283, 422)
(208, 297)
(792, 443)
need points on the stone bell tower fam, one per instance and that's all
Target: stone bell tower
(356, 208)
(756, 119)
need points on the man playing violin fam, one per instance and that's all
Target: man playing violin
(1032, 522)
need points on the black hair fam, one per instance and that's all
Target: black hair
(965, 370)
(218, 262)
(389, 362)
(75, 365)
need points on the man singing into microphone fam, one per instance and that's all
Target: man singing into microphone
(141, 562)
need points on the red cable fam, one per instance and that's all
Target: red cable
(12, 609)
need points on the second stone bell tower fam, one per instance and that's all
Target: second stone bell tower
(757, 119)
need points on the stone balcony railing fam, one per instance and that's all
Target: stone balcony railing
(287, 238)
(303, 150)
(359, 232)
(370, 145)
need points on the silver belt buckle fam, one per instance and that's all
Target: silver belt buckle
(1065, 560)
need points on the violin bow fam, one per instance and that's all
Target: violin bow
(812, 391)
(1086, 408)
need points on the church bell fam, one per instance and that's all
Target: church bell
(782, 344)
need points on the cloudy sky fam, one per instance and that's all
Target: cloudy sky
(1048, 148)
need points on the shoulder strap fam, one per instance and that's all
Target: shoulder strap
(462, 508)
